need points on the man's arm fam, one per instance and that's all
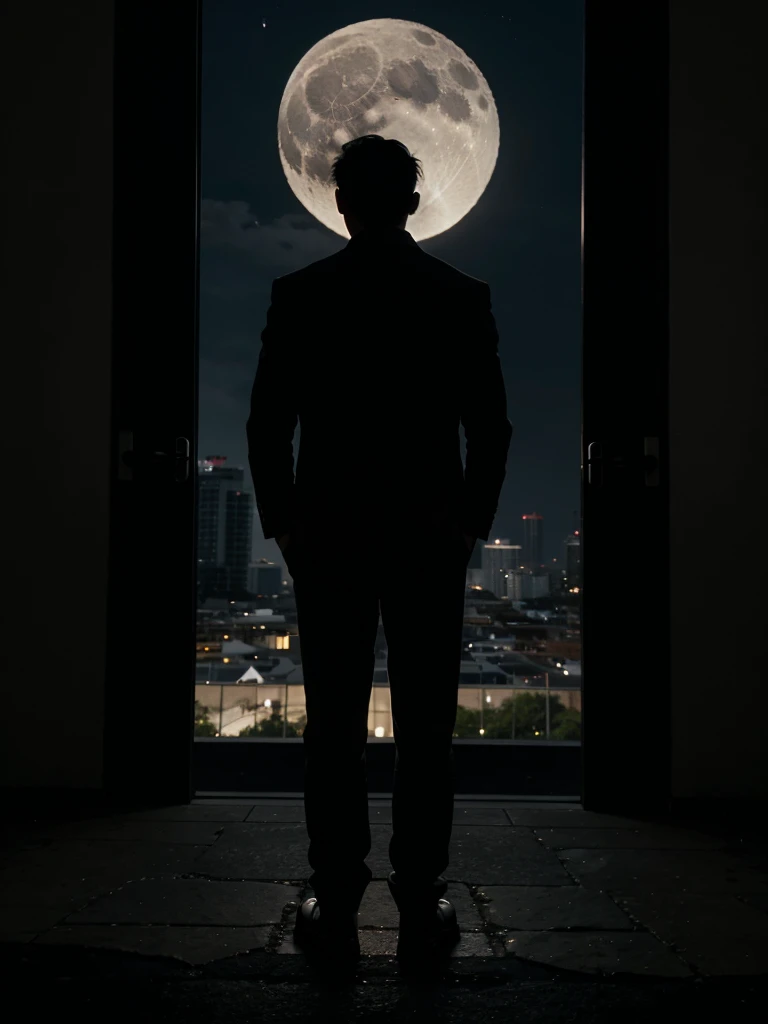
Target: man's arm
(272, 421)
(487, 430)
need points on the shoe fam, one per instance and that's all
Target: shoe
(429, 929)
(331, 941)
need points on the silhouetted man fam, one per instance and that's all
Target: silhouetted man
(379, 352)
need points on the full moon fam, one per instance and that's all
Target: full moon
(401, 80)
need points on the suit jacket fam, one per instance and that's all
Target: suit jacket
(378, 352)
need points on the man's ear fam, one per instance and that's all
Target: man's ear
(414, 203)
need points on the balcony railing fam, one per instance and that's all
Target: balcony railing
(520, 713)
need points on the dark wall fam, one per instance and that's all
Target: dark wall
(719, 440)
(55, 314)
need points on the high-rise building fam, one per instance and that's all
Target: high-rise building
(523, 585)
(265, 578)
(499, 558)
(225, 522)
(573, 561)
(533, 542)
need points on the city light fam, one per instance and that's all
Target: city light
(226, 661)
(565, 671)
(379, 731)
(488, 699)
(482, 732)
(267, 703)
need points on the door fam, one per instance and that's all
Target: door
(625, 469)
(151, 603)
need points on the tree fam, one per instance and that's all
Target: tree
(273, 726)
(203, 725)
(521, 717)
(467, 723)
(568, 726)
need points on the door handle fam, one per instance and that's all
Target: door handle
(176, 461)
(651, 461)
(595, 463)
(612, 468)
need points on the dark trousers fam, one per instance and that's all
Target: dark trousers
(416, 582)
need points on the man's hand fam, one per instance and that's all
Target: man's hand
(469, 540)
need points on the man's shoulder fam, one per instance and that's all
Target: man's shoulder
(313, 272)
(420, 264)
(442, 271)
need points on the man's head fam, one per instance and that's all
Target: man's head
(375, 180)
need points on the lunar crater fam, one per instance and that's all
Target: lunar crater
(423, 37)
(456, 106)
(463, 75)
(345, 81)
(297, 117)
(412, 81)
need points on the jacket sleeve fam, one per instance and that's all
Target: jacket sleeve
(487, 430)
(272, 421)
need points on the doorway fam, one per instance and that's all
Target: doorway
(157, 512)
(501, 200)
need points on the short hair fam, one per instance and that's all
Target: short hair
(377, 177)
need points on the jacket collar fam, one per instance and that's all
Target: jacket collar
(380, 236)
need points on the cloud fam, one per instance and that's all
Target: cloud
(239, 260)
(278, 247)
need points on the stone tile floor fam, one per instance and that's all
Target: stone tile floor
(204, 895)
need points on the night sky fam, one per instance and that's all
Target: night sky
(522, 237)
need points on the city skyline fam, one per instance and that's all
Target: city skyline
(227, 555)
(237, 475)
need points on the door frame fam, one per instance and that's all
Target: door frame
(157, 111)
